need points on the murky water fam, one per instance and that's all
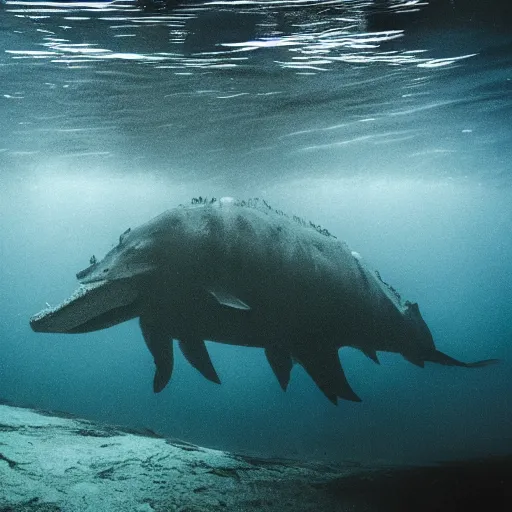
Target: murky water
(388, 122)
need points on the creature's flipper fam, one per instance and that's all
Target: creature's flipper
(281, 364)
(229, 300)
(325, 369)
(441, 358)
(372, 354)
(196, 354)
(160, 346)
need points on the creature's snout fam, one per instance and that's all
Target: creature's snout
(92, 307)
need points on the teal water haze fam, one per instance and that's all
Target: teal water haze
(388, 123)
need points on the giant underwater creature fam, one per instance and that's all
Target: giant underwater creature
(242, 273)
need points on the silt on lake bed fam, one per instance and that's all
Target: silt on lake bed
(242, 273)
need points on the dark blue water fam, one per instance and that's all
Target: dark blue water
(386, 122)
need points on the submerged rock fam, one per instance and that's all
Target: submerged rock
(53, 463)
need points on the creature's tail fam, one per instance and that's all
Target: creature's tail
(441, 358)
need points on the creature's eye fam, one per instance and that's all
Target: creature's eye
(105, 270)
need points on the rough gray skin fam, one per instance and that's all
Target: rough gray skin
(243, 274)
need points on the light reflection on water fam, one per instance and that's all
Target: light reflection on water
(251, 88)
(313, 40)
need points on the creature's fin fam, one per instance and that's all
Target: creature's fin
(281, 364)
(325, 369)
(415, 360)
(441, 358)
(160, 345)
(372, 354)
(229, 300)
(196, 354)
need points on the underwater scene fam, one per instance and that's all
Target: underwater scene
(256, 255)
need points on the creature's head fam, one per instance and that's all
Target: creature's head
(130, 258)
(108, 292)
